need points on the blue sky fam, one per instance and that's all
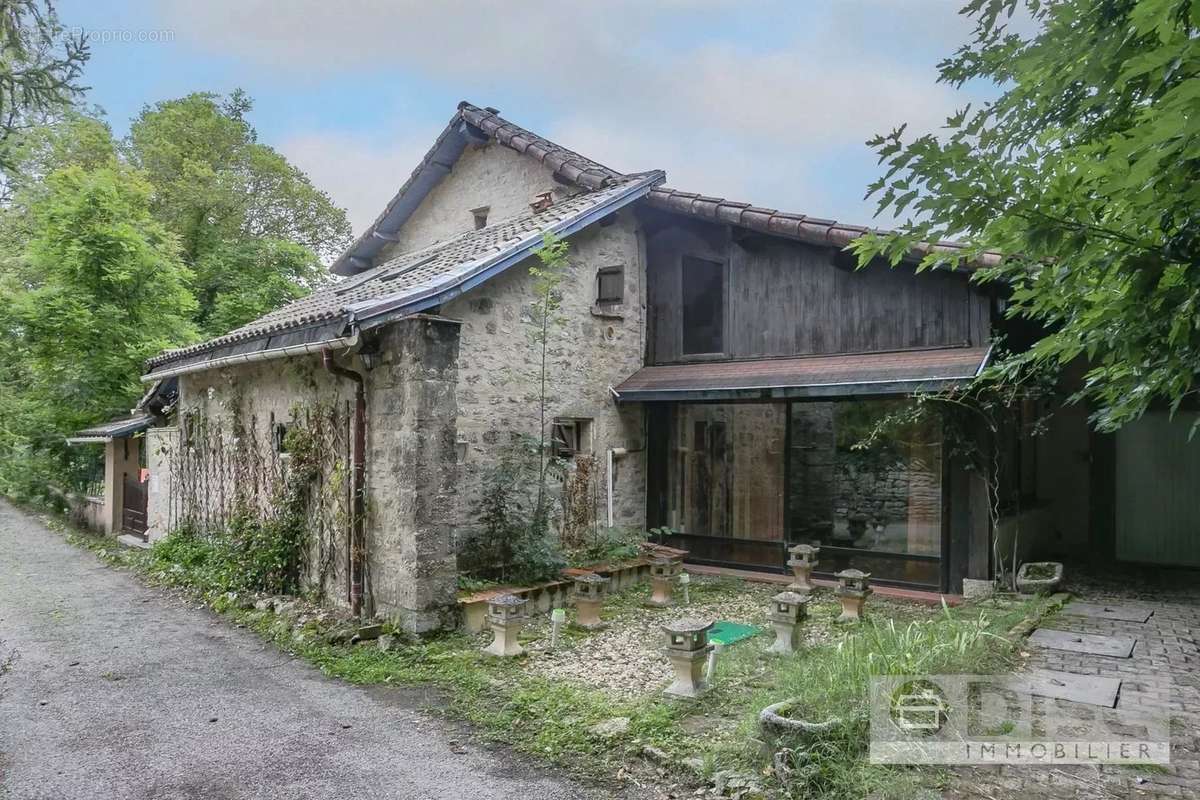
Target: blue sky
(768, 102)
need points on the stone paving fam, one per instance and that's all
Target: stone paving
(1161, 677)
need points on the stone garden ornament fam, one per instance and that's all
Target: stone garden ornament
(853, 590)
(590, 590)
(663, 572)
(506, 616)
(803, 560)
(787, 615)
(687, 648)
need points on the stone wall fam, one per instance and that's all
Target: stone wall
(411, 413)
(494, 176)
(591, 351)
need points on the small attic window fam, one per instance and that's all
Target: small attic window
(480, 216)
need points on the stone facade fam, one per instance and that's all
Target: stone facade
(410, 464)
(590, 351)
(445, 395)
(493, 177)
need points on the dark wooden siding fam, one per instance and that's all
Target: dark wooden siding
(789, 298)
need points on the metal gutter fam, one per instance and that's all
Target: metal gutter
(897, 386)
(253, 357)
(373, 313)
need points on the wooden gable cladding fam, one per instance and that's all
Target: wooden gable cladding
(785, 297)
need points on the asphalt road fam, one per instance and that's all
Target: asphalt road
(124, 691)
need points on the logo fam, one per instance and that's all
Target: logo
(1005, 719)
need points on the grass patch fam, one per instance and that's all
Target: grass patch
(713, 738)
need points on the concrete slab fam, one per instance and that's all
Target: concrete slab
(1114, 646)
(1091, 689)
(1121, 613)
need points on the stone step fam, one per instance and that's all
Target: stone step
(132, 540)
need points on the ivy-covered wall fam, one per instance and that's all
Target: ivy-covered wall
(227, 456)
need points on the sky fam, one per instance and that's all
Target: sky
(766, 102)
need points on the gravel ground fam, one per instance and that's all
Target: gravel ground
(626, 658)
(124, 692)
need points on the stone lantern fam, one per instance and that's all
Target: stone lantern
(853, 589)
(663, 572)
(788, 612)
(590, 590)
(802, 562)
(507, 616)
(688, 649)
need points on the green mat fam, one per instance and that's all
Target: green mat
(726, 633)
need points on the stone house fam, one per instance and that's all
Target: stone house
(715, 365)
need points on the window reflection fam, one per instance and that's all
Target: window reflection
(886, 497)
(726, 470)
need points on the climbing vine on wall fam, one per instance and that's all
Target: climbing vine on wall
(275, 494)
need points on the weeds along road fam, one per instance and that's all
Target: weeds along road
(123, 691)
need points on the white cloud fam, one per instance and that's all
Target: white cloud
(360, 174)
(746, 115)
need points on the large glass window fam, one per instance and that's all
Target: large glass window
(876, 507)
(725, 479)
(703, 285)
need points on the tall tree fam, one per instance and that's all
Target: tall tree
(241, 210)
(40, 67)
(1085, 174)
(110, 292)
(103, 290)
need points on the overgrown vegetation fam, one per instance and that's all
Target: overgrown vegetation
(114, 250)
(555, 719)
(1084, 174)
(253, 552)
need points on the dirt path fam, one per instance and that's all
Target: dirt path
(122, 691)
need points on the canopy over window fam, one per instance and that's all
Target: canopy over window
(896, 372)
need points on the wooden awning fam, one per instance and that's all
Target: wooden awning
(843, 375)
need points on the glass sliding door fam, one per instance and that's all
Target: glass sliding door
(725, 482)
(869, 494)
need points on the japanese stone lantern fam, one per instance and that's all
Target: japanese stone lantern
(506, 616)
(802, 562)
(590, 590)
(688, 649)
(787, 614)
(663, 572)
(853, 589)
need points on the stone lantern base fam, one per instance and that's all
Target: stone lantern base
(788, 636)
(852, 605)
(689, 672)
(660, 594)
(802, 572)
(588, 614)
(505, 644)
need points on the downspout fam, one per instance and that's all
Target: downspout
(357, 543)
(613, 453)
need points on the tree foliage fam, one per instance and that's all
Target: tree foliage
(40, 68)
(102, 291)
(1084, 173)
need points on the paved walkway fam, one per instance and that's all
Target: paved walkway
(1162, 677)
(121, 691)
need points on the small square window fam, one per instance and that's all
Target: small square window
(279, 432)
(570, 437)
(610, 286)
(480, 215)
